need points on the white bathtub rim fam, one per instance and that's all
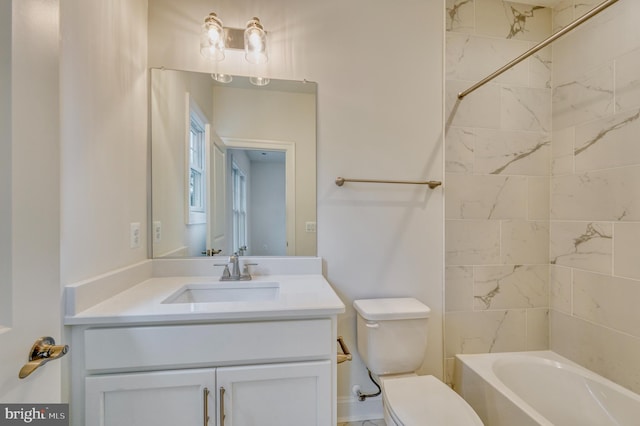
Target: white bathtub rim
(482, 365)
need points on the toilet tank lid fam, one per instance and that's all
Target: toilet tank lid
(391, 309)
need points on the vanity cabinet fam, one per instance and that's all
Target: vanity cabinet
(165, 398)
(273, 394)
(253, 373)
(278, 394)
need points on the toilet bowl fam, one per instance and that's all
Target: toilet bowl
(424, 400)
(391, 340)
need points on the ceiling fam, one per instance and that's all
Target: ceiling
(265, 156)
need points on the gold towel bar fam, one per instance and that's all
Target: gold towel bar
(432, 183)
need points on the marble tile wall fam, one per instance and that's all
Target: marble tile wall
(595, 192)
(498, 164)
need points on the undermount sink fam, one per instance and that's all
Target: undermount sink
(230, 291)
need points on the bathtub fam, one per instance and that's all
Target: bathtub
(541, 388)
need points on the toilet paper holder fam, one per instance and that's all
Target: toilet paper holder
(345, 355)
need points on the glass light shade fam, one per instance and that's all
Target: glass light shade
(255, 42)
(212, 38)
(222, 78)
(259, 81)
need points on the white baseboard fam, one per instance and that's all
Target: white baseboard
(350, 409)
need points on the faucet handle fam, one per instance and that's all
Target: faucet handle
(245, 270)
(225, 272)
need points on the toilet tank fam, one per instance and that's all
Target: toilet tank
(392, 334)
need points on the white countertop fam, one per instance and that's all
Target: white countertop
(299, 296)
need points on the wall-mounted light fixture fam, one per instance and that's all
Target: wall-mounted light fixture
(215, 38)
(255, 42)
(212, 39)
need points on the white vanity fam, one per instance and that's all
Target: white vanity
(181, 349)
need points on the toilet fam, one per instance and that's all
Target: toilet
(392, 339)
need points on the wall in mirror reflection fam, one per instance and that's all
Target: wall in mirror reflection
(233, 166)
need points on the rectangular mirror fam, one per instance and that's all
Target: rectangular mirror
(233, 166)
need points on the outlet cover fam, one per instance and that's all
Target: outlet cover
(134, 235)
(157, 231)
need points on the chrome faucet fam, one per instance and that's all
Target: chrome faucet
(234, 274)
(234, 259)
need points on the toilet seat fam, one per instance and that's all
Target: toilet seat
(425, 400)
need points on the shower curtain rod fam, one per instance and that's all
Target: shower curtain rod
(593, 12)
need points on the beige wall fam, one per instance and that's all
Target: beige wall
(595, 187)
(379, 116)
(103, 127)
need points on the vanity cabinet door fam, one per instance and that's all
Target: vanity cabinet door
(292, 394)
(165, 398)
